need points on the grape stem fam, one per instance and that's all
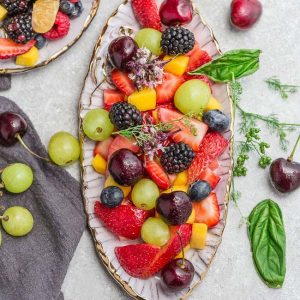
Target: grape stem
(4, 218)
(291, 157)
(19, 138)
(182, 250)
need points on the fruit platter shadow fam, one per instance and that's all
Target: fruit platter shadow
(59, 46)
(91, 98)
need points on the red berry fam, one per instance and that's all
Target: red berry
(60, 28)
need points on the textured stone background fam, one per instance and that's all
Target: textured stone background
(50, 96)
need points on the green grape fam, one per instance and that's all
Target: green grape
(17, 178)
(63, 148)
(17, 221)
(192, 96)
(155, 231)
(150, 39)
(97, 125)
(144, 194)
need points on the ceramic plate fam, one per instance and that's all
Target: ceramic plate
(54, 49)
(92, 182)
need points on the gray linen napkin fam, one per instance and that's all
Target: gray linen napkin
(33, 267)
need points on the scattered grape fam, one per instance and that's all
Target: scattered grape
(150, 39)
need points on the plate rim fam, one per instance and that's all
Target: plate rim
(87, 22)
(98, 246)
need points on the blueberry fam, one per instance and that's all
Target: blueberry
(112, 196)
(76, 12)
(66, 7)
(199, 190)
(216, 120)
(40, 41)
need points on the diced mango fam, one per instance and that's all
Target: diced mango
(177, 188)
(144, 99)
(198, 239)
(29, 58)
(99, 164)
(110, 182)
(192, 217)
(177, 65)
(181, 178)
(3, 13)
(185, 250)
(213, 103)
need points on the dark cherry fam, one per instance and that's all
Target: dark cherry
(178, 274)
(121, 51)
(174, 207)
(125, 167)
(12, 125)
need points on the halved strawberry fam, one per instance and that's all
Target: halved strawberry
(209, 176)
(111, 97)
(211, 148)
(122, 82)
(207, 210)
(191, 135)
(9, 48)
(122, 142)
(157, 173)
(214, 165)
(124, 220)
(165, 92)
(103, 147)
(198, 58)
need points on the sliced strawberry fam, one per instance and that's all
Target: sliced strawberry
(214, 165)
(207, 210)
(122, 142)
(198, 58)
(124, 220)
(122, 82)
(211, 148)
(209, 176)
(165, 92)
(103, 147)
(191, 135)
(111, 97)
(9, 48)
(146, 12)
(157, 173)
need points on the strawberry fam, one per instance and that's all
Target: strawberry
(124, 220)
(214, 165)
(146, 264)
(157, 174)
(111, 97)
(146, 12)
(165, 92)
(103, 147)
(122, 142)
(122, 82)
(198, 58)
(9, 48)
(209, 176)
(211, 148)
(207, 210)
(191, 135)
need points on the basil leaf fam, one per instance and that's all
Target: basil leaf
(267, 237)
(239, 63)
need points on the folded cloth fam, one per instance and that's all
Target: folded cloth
(5, 82)
(33, 267)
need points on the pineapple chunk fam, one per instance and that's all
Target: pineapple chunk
(3, 13)
(185, 250)
(192, 217)
(110, 182)
(181, 178)
(213, 103)
(177, 65)
(29, 58)
(99, 164)
(177, 188)
(199, 232)
(144, 99)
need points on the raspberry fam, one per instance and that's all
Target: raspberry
(60, 28)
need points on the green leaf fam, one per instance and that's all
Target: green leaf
(267, 237)
(239, 63)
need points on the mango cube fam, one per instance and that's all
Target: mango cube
(29, 58)
(177, 65)
(185, 250)
(213, 103)
(177, 188)
(144, 99)
(181, 178)
(3, 13)
(99, 164)
(198, 239)
(192, 217)
(110, 182)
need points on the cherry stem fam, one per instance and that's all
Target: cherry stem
(290, 158)
(4, 218)
(19, 138)
(182, 250)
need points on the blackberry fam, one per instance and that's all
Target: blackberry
(177, 158)
(124, 115)
(14, 7)
(19, 28)
(177, 40)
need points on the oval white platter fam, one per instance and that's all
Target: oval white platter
(54, 49)
(92, 183)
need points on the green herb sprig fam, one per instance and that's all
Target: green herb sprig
(284, 89)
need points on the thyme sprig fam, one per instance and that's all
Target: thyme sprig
(284, 89)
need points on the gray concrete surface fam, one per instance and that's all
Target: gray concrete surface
(50, 97)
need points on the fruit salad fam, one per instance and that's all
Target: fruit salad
(158, 138)
(29, 25)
